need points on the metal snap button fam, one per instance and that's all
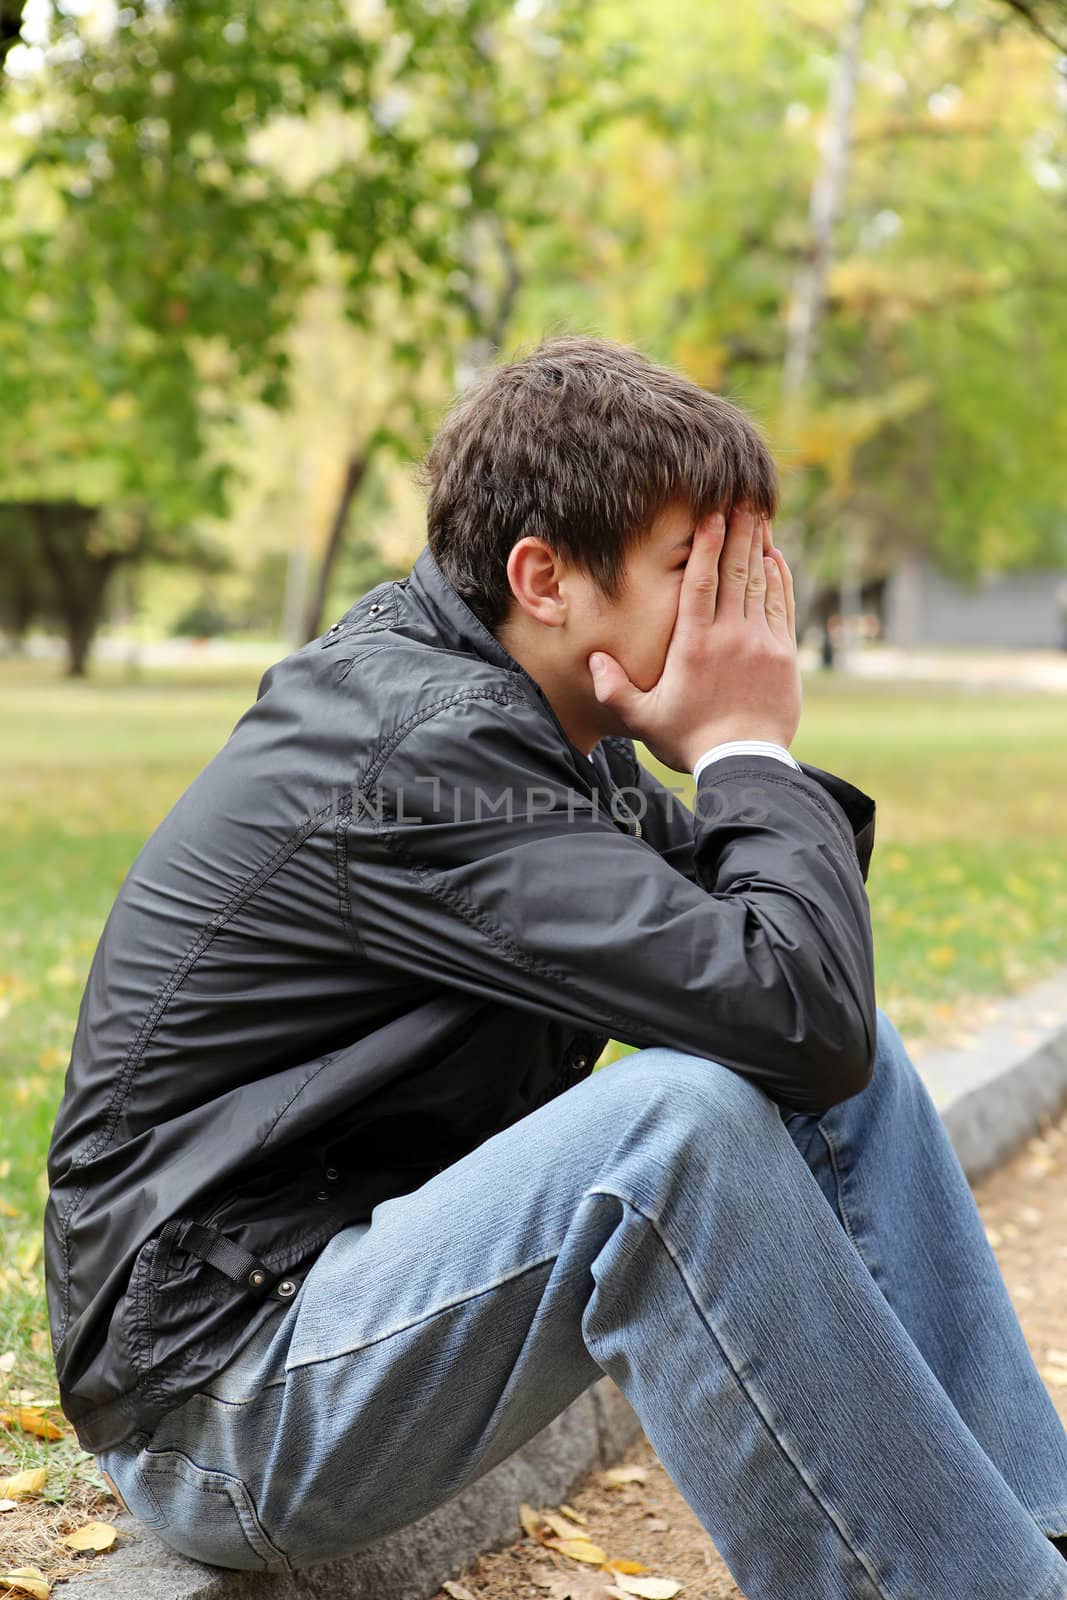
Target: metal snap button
(333, 1174)
(374, 610)
(323, 1194)
(257, 1278)
(580, 1062)
(287, 1288)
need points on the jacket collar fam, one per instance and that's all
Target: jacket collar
(457, 627)
(454, 621)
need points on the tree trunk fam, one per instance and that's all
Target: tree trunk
(22, 608)
(79, 577)
(355, 471)
(809, 285)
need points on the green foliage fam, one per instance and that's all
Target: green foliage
(939, 385)
(162, 222)
(202, 620)
(466, 176)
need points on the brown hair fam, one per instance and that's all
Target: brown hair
(583, 442)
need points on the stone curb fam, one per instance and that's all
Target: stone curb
(993, 1093)
(410, 1564)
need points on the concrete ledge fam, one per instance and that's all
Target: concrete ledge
(994, 1091)
(410, 1564)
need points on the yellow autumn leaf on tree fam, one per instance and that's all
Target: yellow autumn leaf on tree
(29, 1482)
(91, 1536)
(27, 1580)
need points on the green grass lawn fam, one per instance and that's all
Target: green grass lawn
(968, 885)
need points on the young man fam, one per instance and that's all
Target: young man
(340, 1214)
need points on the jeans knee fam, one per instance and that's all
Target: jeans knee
(684, 1127)
(693, 1088)
(894, 1070)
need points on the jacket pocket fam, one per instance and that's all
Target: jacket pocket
(185, 1315)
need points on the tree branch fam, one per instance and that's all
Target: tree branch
(10, 27)
(1022, 9)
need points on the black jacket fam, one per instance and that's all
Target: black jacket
(396, 912)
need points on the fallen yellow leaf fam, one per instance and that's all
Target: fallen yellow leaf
(27, 1580)
(576, 1516)
(26, 1258)
(1055, 1375)
(617, 1475)
(627, 1566)
(533, 1522)
(649, 1588)
(560, 1525)
(31, 1420)
(578, 1550)
(576, 1585)
(29, 1482)
(92, 1536)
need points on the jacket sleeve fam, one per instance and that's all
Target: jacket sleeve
(479, 858)
(669, 825)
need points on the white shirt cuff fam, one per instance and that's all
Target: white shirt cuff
(745, 747)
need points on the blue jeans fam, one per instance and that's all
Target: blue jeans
(804, 1311)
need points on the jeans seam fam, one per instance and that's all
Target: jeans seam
(160, 1470)
(426, 1316)
(796, 1467)
(839, 1184)
(243, 1400)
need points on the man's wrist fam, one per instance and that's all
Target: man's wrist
(756, 747)
(698, 743)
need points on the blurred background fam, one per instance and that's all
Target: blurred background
(248, 254)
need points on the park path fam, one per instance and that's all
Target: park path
(1024, 1208)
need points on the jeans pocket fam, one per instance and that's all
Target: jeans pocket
(207, 1515)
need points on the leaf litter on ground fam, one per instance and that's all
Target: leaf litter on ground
(617, 1579)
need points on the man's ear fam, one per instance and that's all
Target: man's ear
(535, 572)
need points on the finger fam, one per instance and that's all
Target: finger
(611, 684)
(734, 564)
(768, 539)
(700, 581)
(775, 608)
(756, 588)
(787, 584)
